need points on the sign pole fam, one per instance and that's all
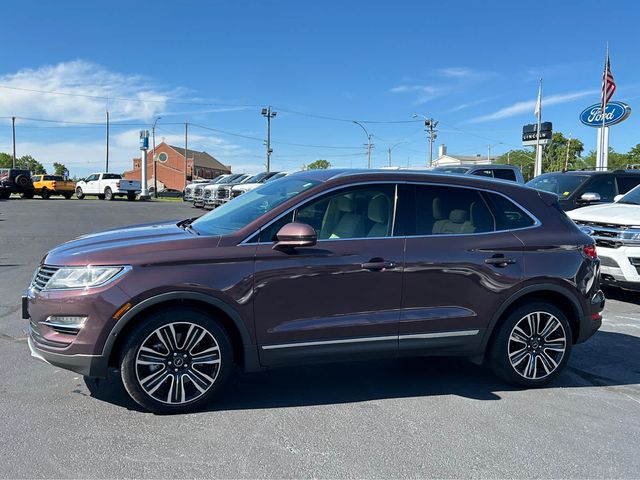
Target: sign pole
(538, 165)
(144, 145)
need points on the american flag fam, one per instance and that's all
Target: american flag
(608, 85)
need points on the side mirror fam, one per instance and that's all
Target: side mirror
(294, 235)
(590, 197)
(618, 197)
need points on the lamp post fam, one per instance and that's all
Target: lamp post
(266, 112)
(430, 127)
(369, 145)
(390, 149)
(155, 172)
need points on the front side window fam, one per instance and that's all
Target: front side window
(627, 183)
(604, 186)
(355, 212)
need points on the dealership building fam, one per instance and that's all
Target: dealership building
(170, 167)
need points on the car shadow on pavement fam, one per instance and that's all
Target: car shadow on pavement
(613, 293)
(608, 359)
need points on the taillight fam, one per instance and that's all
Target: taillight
(54, 185)
(590, 251)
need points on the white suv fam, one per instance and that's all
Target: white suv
(616, 229)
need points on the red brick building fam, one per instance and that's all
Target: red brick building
(170, 167)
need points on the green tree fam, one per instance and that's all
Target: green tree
(554, 155)
(318, 165)
(615, 160)
(6, 160)
(522, 158)
(634, 154)
(26, 161)
(60, 169)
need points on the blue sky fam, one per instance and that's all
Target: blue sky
(474, 66)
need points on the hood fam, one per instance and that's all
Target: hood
(135, 245)
(611, 213)
(247, 186)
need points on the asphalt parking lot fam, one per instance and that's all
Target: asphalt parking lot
(380, 419)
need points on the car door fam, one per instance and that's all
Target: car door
(461, 263)
(341, 296)
(91, 184)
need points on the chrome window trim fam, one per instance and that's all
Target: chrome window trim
(536, 221)
(453, 333)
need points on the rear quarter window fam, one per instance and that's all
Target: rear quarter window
(627, 183)
(507, 214)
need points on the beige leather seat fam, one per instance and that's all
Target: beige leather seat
(341, 220)
(378, 213)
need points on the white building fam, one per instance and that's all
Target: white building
(446, 159)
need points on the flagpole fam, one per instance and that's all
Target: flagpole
(603, 108)
(538, 164)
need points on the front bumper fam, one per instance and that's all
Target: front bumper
(87, 365)
(616, 267)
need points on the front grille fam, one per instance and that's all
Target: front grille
(207, 193)
(198, 192)
(236, 193)
(188, 191)
(42, 277)
(223, 192)
(606, 235)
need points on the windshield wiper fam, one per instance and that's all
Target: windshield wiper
(186, 225)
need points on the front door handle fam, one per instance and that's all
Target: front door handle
(500, 260)
(377, 264)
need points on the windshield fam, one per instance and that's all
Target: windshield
(632, 197)
(561, 184)
(246, 208)
(452, 169)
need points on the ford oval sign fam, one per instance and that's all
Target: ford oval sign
(615, 112)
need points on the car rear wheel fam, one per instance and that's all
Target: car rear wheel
(131, 197)
(532, 345)
(4, 193)
(176, 361)
(28, 194)
(108, 194)
(79, 194)
(45, 193)
(68, 195)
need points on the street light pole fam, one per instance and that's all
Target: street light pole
(155, 172)
(369, 144)
(430, 127)
(391, 149)
(13, 128)
(266, 112)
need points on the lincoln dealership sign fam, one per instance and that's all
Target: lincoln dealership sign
(615, 112)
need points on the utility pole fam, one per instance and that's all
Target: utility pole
(13, 127)
(509, 157)
(266, 112)
(186, 145)
(369, 144)
(489, 153)
(390, 149)
(566, 160)
(430, 127)
(155, 172)
(107, 160)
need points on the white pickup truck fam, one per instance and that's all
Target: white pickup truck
(616, 229)
(106, 186)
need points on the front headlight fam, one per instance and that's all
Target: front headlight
(631, 236)
(84, 277)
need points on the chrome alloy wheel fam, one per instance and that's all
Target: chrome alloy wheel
(537, 344)
(178, 363)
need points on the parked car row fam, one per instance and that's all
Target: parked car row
(213, 193)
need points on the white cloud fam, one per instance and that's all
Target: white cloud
(425, 92)
(457, 72)
(82, 81)
(528, 106)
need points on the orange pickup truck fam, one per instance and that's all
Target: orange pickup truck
(47, 185)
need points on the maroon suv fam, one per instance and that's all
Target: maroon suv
(322, 266)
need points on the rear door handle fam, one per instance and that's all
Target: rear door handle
(499, 260)
(377, 264)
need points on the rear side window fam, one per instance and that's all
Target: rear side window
(508, 215)
(443, 210)
(604, 186)
(484, 173)
(627, 183)
(505, 174)
(111, 176)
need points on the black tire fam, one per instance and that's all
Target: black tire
(108, 194)
(79, 193)
(537, 357)
(28, 194)
(67, 196)
(131, 197)
(218, 366)
(4, 193)
(45, 193)
(100, 196)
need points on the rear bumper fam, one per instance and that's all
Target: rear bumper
(592, 321)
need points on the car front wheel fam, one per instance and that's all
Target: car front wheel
(176, 361)
(532, 345)
(79, 193)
